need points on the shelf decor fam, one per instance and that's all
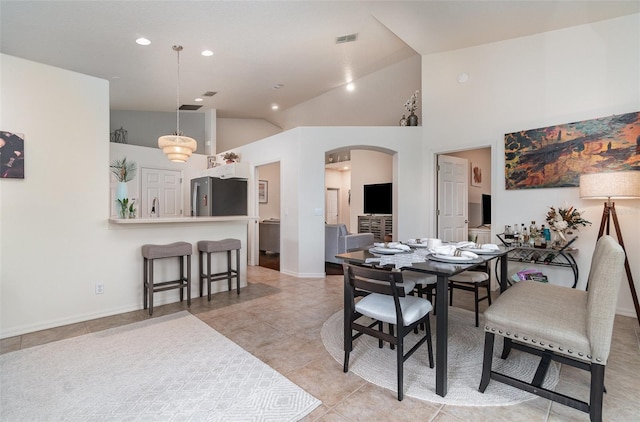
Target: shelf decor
(562, 221)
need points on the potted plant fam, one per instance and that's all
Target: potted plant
(132, 209)
(124, 207)
(230, 157)
(124, 171)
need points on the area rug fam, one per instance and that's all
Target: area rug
(170, 368)
(466, 344)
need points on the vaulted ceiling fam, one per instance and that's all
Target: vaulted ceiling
(259, 45)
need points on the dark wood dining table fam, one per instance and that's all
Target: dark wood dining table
(443, 271)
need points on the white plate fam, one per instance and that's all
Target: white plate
(450, 258)
(386, 251)
(480, 250)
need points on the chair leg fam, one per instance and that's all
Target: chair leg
(429, 343)
(145, 283)
(450, 295)
(475, 292)
(181, 276)
(238, 271)
(489, 339)
(229, 270)
(209, 276)
(400, 363)
(391, 330)
(200, 270)
(506, 348)
(150, 288)
(596, 394)
(188, 280)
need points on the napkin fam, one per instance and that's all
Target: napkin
(393, 245)
(414, 241)
(465, 244)
(450, 249)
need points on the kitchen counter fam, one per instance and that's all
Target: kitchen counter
(181, 220)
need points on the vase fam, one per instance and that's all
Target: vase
(412, 120)
(124, 212)
(121, 191)
(559, 239)
(403, 121)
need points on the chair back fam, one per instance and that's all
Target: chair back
(362, 281)
(605, 276)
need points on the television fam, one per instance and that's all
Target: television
(486, 209)
(378, 198)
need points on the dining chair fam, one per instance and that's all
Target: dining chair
(425, 285)
(380, 296)
(570, 326)
(472, 281)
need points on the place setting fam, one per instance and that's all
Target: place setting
(389, 248)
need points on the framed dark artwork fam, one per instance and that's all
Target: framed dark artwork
(475, 174)
(556, 156)
(11, 155)
(263, 191)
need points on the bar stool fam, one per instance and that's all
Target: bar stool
(213, 246)
(150, 253)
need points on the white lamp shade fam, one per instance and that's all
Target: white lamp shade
(178, 148)
(620, 185)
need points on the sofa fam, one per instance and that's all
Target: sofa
(269, 236)
(337, 240)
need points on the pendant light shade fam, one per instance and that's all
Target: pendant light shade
(177, 147)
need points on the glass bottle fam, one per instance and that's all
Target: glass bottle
(533, 229)
(543, 237)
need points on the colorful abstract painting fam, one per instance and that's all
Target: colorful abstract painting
(556, 156)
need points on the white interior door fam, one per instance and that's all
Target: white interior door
(331, 206)
(453, 193)
(166, 185)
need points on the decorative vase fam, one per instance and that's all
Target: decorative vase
(121, 191)
(124, 212)
(403, 121)
(559, 239)
(412, 120)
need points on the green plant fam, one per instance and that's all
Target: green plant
(230, 156)
(132, 209)
(124, 206)
(123, 170)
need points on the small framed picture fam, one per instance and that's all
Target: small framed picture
(475, 174)
(211, 161)
(263, 191)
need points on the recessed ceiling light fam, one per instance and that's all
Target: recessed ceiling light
(462, 78)
(274, 107)
(345, 168)
(143, 41)
(278, 86)
(198, 100)
(207, 53)
(351, 87)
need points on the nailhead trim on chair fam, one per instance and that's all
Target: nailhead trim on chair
(575, 354)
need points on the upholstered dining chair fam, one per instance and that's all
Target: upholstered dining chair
(472, 281)
(382, 298)
(570, 326)
(425, 284)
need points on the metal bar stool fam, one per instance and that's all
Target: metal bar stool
(213, 246)
(150, 253)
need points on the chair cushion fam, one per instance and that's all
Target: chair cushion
(419, 278)
(542, 315)
(470, 277)
(219, 245)
(382, 308)
(166, 251)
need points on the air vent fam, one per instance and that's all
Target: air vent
(346, 38)
(190, 107)
(209, 94)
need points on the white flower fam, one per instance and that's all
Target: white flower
(560, 225)
(411, 104)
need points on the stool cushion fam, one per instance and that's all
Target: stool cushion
(382, 308)
(470, 277)
(167, 251)
(219, 245)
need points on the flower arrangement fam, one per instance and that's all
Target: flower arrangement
(230, 157)
(123, 170)
(564, 219)
(412, 103)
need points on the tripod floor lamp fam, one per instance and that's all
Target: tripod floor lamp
(619, 185)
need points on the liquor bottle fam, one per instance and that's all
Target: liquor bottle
(543, 237)
(525, 235)
(533, 229)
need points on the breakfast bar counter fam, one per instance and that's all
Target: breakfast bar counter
(181, 220)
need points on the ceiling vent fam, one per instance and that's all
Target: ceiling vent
(209, 94)
(190, 107)
(347, 38)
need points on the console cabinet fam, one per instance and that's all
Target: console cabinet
(379, 225)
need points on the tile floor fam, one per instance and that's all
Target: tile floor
(278, 319)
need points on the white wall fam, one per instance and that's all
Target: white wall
(301, 153)
(232, 133)
(56, 242)
(378, 100)
(563, 76)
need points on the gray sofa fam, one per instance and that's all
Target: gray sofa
(269, 236)
(337, 240)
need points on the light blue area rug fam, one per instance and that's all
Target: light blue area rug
(170, 368)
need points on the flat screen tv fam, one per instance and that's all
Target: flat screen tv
(486, 209)
(377, 198)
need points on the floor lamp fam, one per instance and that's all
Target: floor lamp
(619, 185)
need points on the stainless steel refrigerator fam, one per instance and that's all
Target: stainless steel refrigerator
(214, 197)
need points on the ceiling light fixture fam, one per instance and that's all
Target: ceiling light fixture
(351, 87)
(198, 100)
(275, 107)
(177, 147)
(207, 53)
(143, 41)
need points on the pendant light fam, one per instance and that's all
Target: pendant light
(177, 147)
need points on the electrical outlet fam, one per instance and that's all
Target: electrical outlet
(99, 288)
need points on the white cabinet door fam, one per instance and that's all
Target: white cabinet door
(166, 186)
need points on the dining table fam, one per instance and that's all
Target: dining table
(422, 261)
